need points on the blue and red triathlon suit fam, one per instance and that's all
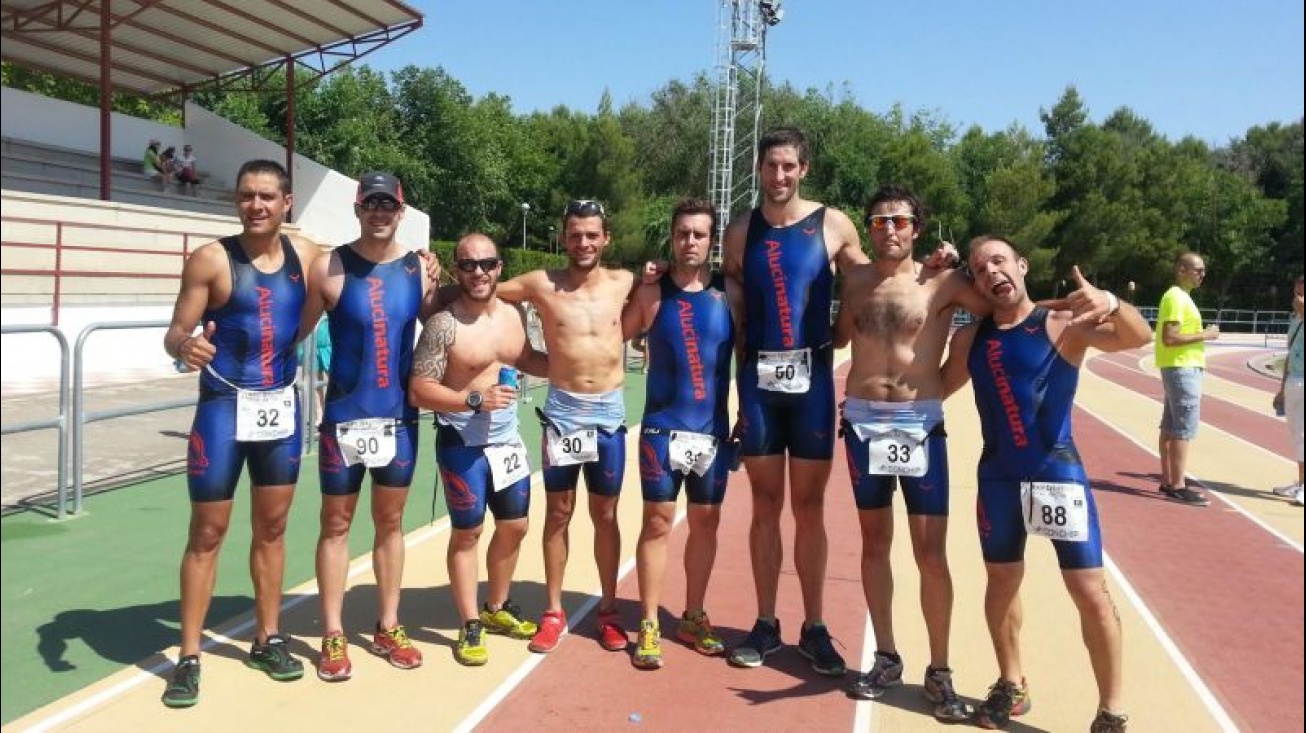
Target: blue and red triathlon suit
(688, 389)
(788, 286)
(1025, 391)
(372, 333)
(257, 330)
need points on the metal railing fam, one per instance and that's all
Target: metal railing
(60, 423)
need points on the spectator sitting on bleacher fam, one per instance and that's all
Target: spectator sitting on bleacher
(186, 170)
(167, 160)
(153, 166)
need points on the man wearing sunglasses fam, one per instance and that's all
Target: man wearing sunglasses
(1024, 363)
(462, 354)
(897, 314)
(686, 425)
(373, 291)
(584, 415)
(1181, 357)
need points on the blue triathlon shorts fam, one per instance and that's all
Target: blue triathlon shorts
(1002, 525)
(927, 495)
(214, 458)
(602, 477)
(341, 480)
(772, 423)
(468, 484)
(662, 483)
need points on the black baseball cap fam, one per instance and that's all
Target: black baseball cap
(378, 183)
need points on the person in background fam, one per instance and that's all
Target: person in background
(1288, 400)
(1181, 357)
(186, 171)
(151, 165)
(322, 359)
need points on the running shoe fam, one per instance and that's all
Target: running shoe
(696, 630)
(1287, 491)
(648, 650)
(948, 708)
(552, 626)
(395, 646)
(273, 657)
(507, 621)
(1297, 499)
(1006, 700)
(815, 643)
(183, 689)
(886, 672)
(611, 635)
(333, 665)
(470, 649)
(761, 642)
(1185, 495)
(1108, 723)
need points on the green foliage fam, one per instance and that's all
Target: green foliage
(515, 261)
(1114, 197)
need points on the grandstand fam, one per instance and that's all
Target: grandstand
(84, 236)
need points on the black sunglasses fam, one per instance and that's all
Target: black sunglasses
(384, 203)
(486, 265)
(584, 208)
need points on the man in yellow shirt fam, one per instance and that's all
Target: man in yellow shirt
(1181, 356)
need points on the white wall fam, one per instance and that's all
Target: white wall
(324, 198)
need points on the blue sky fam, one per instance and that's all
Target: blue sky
(1208, 68)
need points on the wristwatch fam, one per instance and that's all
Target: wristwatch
(474, 400)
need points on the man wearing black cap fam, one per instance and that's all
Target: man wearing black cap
(373, 291)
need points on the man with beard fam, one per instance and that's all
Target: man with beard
(373, 291)
(781, 256)
(1024, 360)
(584, 414)
(897, 314)
(459, 370)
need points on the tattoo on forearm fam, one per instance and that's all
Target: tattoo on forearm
(431, 357)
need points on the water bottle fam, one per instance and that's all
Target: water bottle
(508, 377)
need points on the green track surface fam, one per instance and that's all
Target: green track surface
(84, 597)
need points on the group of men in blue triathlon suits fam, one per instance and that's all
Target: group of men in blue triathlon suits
(772, 300)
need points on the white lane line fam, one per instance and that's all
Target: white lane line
(1204, 693)
(864, 710)
(291, 599)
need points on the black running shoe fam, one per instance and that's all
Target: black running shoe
(761, 642)
(815, 643)
(273, 657)
(183, 689)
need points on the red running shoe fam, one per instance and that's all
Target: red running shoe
(552, 626)
(394, 645)
(611, 636)
(333, 665)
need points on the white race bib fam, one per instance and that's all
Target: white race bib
(1055, 510)
(266, 415)
(369, 442)
(581, 446)
(785, 371)
(691, 452)
(507, 464)
(898, 452)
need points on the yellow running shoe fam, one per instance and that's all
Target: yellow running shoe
(507, 621)
(648, 651)
(696, 630)
(471, 645)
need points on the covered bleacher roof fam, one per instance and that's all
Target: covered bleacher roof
(159, 47)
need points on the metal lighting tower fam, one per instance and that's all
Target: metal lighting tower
(737, 108)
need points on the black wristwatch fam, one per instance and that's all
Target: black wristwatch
(474, 401)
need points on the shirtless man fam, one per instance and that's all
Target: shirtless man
(457, 371)
(782, 257)
(368, 425)
(584, 415)
(249, 292)
(897, 314)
